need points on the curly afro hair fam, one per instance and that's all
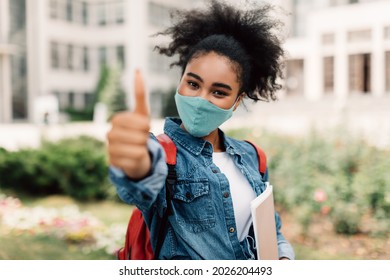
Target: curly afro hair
(245, 36)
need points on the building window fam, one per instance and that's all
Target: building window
(17, 19)
(85, 59)
(159, 15)
(69, 10)
(120, 13)
(61, 9)
(294, 77)
(328, 74)
(327, 39)
(71, 99)
(387, 70)
(102, 16)
(77, 58)
(359, 36)
(54, 55)
(23, 66)
(88, 100)
(19, 107)
(360, 73)
(387, 32)
(102, 56)
(158, 63)
(59, 96)
(120, 54)
(70, 57)
(84, 13)
(53, 9)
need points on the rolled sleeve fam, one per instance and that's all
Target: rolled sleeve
(284, 247)
(142, 193)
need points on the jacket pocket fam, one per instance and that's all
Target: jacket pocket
(192, 205)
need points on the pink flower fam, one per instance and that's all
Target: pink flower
(17, 203)
(320, 195)
(84, 222)
(58, 222)
(325, 210)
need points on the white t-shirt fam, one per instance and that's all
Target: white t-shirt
(241, 192)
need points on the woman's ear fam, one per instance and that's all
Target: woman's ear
(239, 99)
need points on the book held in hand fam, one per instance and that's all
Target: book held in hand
(263, 216)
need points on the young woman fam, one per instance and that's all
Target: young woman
(226, 54)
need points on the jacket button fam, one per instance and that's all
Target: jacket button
(188, 195)
(226, 195)
(231, 230)
(215, 171)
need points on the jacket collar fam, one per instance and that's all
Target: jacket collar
(196, 145)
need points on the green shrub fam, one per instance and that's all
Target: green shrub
(346, 218)
(26, 170)
(81, 167)
(75, 167)
(80, 114)
(169, 105)
(352, 178)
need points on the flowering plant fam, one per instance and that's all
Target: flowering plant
(66, 223)
(331, 176)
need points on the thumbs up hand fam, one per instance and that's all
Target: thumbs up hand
(129, 134)
(141, 106)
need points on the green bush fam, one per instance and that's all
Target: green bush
(80, 115)
(337, 176)
(75, 167)
(346, 218)
(169, 105)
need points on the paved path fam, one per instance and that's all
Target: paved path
(364, 116)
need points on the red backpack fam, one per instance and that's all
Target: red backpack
(137, 244)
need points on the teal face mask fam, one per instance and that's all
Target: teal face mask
(200, 117)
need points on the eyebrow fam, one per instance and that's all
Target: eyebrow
(222, 85)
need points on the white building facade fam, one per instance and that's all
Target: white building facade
(339, 48)
(6, 50)
(334, 48)
(60, 46)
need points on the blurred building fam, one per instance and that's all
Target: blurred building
(57, 47)
(6, 50)
(335, 48)
(338, 48)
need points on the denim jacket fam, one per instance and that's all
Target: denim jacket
(202, 225)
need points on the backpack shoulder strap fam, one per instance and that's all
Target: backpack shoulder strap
(169, 148)
(137, 243)
(170, 154)
(261, 157)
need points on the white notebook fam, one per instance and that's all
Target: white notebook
(263, 215)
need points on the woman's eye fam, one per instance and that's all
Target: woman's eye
(193, 85)
(219, 93)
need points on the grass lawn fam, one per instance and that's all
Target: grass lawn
(109, 212)
(18, 246)
(308, 253)
(42, 247)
